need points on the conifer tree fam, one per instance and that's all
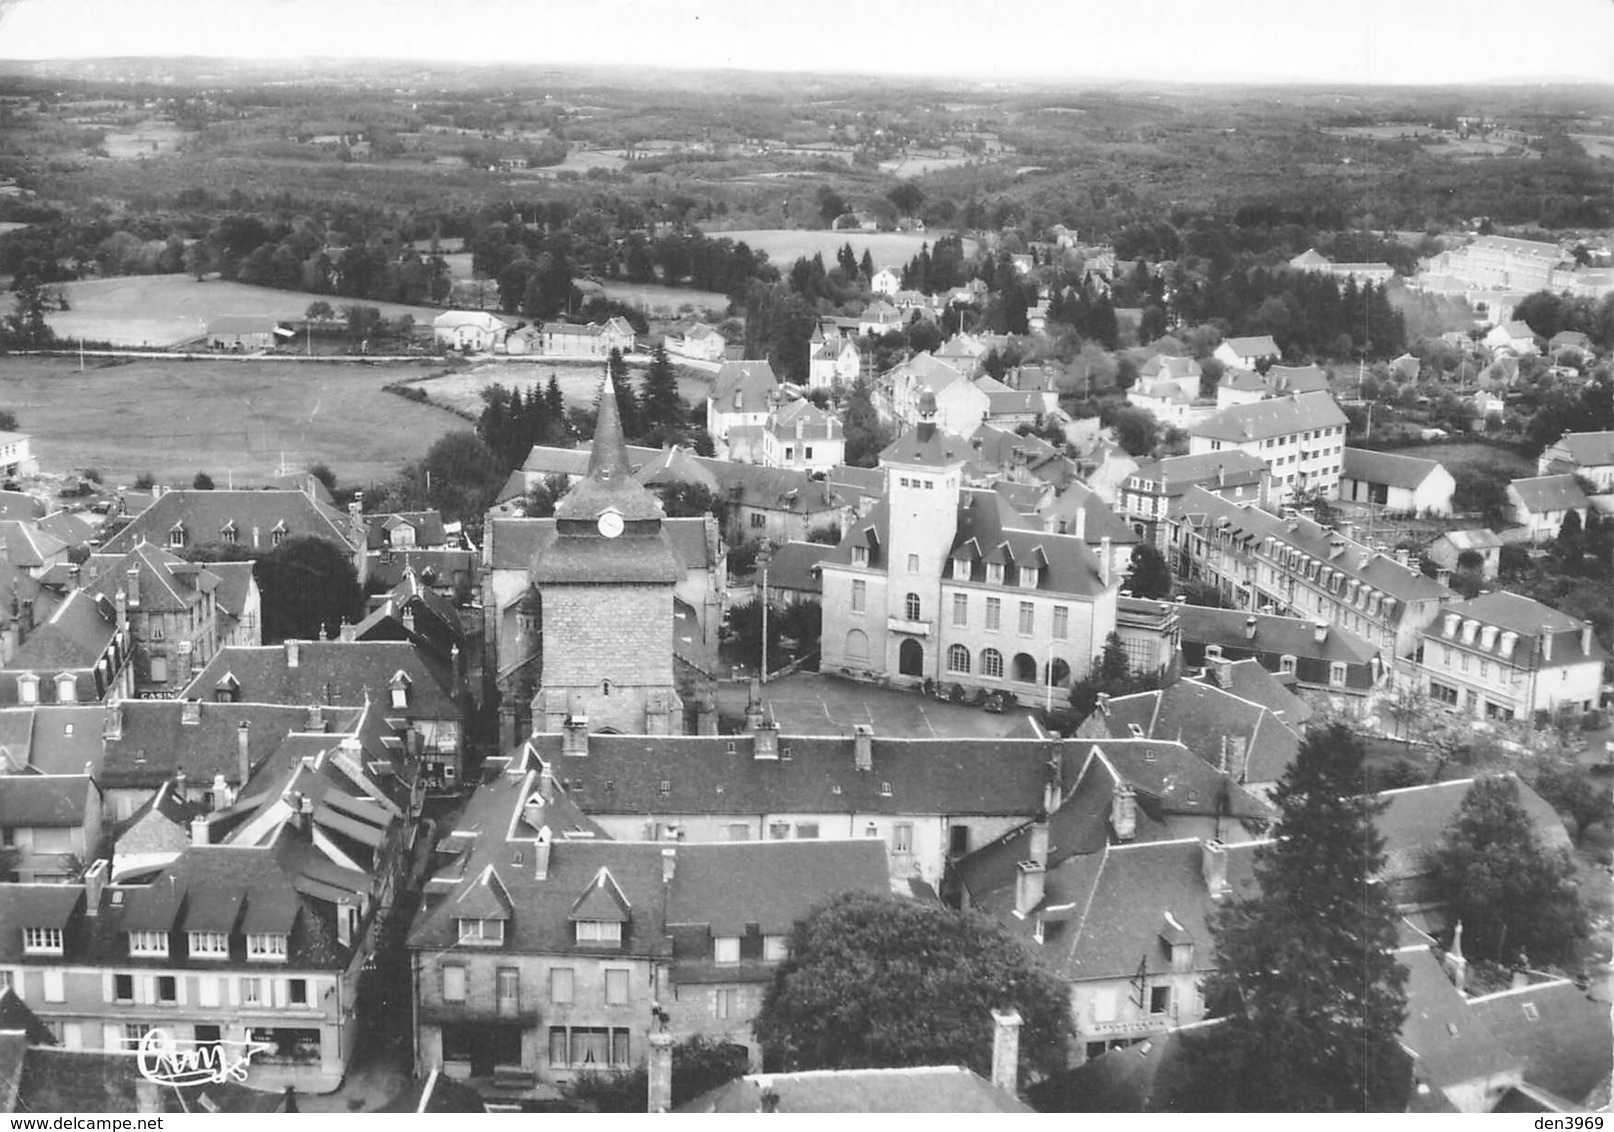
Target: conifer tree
(663, 406)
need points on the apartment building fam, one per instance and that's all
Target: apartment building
(1300, 438)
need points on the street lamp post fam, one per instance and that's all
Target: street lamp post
(763, 559)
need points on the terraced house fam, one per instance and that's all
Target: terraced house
(1296, 567)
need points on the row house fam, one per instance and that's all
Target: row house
(1505, 656)
(1300, 438)
(946, 583)
(1148, 495)
(927, 801)
(175, 620)
(50, 825)
(543, 951)
(1293, 566)
(1324, 661)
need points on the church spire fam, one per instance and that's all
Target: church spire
(608, 462)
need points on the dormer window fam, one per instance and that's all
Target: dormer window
(488, 933)
(149, 945)
(607, 932)
(208, 945)
(267, 947)
(860, 556)
(66, 689)
(176, 535)
(229, 533)
(961, 570)
(775, 948)
(41, 941)
(1029, 576)
(994, 573)
(278, 534)
(399, 689)
(726, 949)
(28, 688)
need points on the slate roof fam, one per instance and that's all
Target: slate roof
(65, 737)
(1482, 538)
(67, 528)
(28, 545)
(794, 566)
(772, 884)
(1541, 494)
(1450, 1040)
(428, 527)
(1588, 449)
(1248, 680)
(815, 423)
(1204, 718)
(941, 1088)
(1243, 380)
(1170, 366)
(435, 566)
(76, 635)
(234, 588)
(513, 542)
(156, 743)
(1415, 820)
(753, 381)
(927, 446)
(1529, 618)
(1297, 379)
(623, 774)
(46, 800)
(1178, 472)
(342, 673)
(167, 583)
(1560, 1033)
(1387, 467)
(20, 505)
(1260, 346)
(1286, 636)
(1276, 416)
(745, 485)
(204, 514)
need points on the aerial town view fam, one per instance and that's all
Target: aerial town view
(705, 565)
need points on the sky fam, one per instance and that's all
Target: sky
(1326, 41)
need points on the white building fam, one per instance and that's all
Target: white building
(1402, 484)
(474, 332)
(1245, 352)
(1301, 438)
(742, 396)
(800, 435)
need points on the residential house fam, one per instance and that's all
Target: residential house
(573, 340)
(1246, 352)
(927, 801)
(1286, 380)
(942, 582)
(16, 455)
(1559, 1031)
(1001, 454)
(1541, 503)
(81, 655)
(1301, 438)
(902, 392)
(743, 393)
(700, 342)
(886, 281)
(1505, 656)
(50, 826)
(424, 698)
(1484, 407)
(1168, 387)
(618, 334)
(415, 612)
(878, 318)
(1009, 407)
(1589, 455)
(471, 332)
(1404, 485)
(175, 623)
(802, 436)
(1240, 386)
(793, 573)
(831, 362)
(1573, 344)
(260, 520)
(28, 546)
(242, 332)
(1073, 509)
(1324, 662)
(1514, 338)
(1155, 487)
(1448, 549)
(542, 948)
(1293, 566)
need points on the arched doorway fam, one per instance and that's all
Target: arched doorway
(1061, 673)
(1025, 668)
(911, 658)
(857, 646)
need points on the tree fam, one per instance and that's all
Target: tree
(872, 981)
(1135, 430)
(322, 472)
(1111, 675)
(319, 311)
(1306, 976)
(25, 328)
(1513, 894)
(663, 405)
(202, 482)
(309, 588)
(1151, 574)
(745, 622)
(907, 197)
(866, 436)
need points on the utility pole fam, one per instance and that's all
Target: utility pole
(763, 558)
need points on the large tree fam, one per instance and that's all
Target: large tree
(866, 436)
(873, 981)
(1151, 573)
(662, 404)
(309, 588)
(1306, 976)
(1513, 894)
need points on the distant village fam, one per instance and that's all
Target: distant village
(534, 816)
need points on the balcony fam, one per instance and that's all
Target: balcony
(911, 628)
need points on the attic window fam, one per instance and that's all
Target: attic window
(885, 789)
(666, 786)
(1148, 755)
(1531, 1012)
(1137, 732)
(731, 746)
(836, 789)
(784, 752)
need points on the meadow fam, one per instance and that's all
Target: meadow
(163, 310)
(579, 383)
(231, 419)
(785, 245)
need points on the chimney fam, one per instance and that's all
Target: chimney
(120, 602)
(1546, 645)
(293, 653)
(243, 751)
(72, 577)
(94, 883)
(1403, 556)
(540, 855)
(765, 740)
(1319, 631)
(1249, 628)
(1455, 962)
(1237, 757)
(1585, 640)
(1224, 672)
(199, 831)
(1081, 523)
(754, 714)
(574, 736)
(669, 863)
(1039, 843)
(1006, 1051)
(1029, 878)
(344, 924)
(1104, 559)
(408, 619)
(179, 786)
(112, 723)
(661, 1044)
(863, 746)
(133, 586)
(1124, 812)
(546, 783)
(315, 719)
(1443, 576)
(190, 713)
(220, 793)
(1053, 790)
(345, 632)
(1213, 866)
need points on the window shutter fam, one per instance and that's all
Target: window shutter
(235, 991)
(207, 990)
(107, 989)
(711, 1003)
(55, 988)
(179, 989)
(145, 990)
(282, 992)
(111, 1036)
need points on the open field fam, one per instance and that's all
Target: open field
(1461, 459)
(659, 300)
(785, 245)
(1595, 145)
(579, 382)
(227, 418)
(161, 310)
(919, 166)
(153, 136)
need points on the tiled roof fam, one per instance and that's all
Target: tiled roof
(68, 528)
(343, 673)
(1481, 538)
(205, 514)
(1242, 380)
(65, 737)
(794, 566)
(624, 774)
(1167, 365)
(941, 1088)
(1370, 466)
(1297, 379)
(20, 505)
(513, 542)
(1177, 472)
(1208, 721)
(772, 884)
(156, 743)
(235, 582)
(1277, 416)
(1286, 636)
(1541, 494)
(45, 799)
(1530, 619)
(753, 381)
(1588, 449)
